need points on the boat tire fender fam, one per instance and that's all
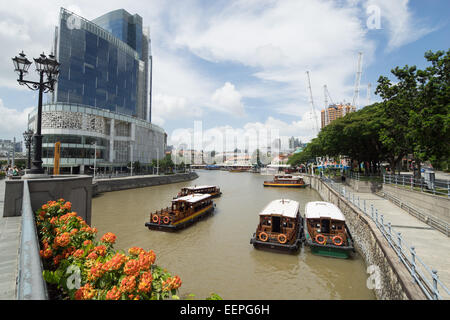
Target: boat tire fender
(155, 218)
(337, 240)
(282, 238)
(263, 236)
(320, 239)
(166, 220)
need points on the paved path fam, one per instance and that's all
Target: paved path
(9, 250)
(431, 246)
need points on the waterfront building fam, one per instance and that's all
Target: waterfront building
(8, 146)
(100, 110)
(334, 112)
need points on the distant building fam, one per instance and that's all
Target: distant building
(294, 143)
(7, 146)
(334, 112)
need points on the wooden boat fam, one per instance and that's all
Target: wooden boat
(286, 181)
(184, 211)
(280, 226)
(214, 191)
(325, 230)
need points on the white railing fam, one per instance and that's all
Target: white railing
(426, 277)
(436, 187)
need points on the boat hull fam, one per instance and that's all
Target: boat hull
(183, 222)
(287, 247)
(285, 185)
(329, 250)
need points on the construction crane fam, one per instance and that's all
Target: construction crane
(358, 79)
(369, 92)
(313, 108)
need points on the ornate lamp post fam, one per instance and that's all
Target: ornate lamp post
(45, 66)
(27, 136)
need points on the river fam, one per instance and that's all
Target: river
(215, 254)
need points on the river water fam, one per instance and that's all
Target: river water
(215, 254)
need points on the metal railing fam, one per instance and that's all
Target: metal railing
(426, 277)
(30, 283)
(432, 221)
(436, 187)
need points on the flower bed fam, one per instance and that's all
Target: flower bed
(76, 266)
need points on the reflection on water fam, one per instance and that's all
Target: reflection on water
(215, 254)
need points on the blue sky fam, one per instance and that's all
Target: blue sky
(240, 65)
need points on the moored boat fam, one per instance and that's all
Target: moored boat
(325, 230)
(286, 181)
(280, 226)
(214, 191)
(184, 211)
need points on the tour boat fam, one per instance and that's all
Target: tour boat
(286, 181)
(214, 191)
(325, 230)
(184, 211)
(280, 226)
(243, 169)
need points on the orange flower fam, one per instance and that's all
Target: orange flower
(128, 284)
(115, 262)
(100, 250)
(57, 259)
(92, 255)
(113, 294)
(73, 231)
(95, 272)
(67, 205)
(86, 292)
(78, 253)
(109, 237)
(145, 283)
(171, 283)
(135, 251)
(146, 259)
(131, 267)
(87, 243)
(62, 240)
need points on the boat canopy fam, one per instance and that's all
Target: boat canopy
(322, 209)
(285, 207)
(198, 187)
(193, 197)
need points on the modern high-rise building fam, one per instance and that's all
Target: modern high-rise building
(102, 99)
(334, 112)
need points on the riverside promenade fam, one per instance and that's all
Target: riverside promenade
(431, 245)
(9, 250)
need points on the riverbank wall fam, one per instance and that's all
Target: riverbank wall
(391, 278)
(123, 183)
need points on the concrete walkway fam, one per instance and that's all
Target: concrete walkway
(431, 246)
(9, 250)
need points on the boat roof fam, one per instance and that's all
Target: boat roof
(285, 207)
(322, 209)
(193, 197)
(198, 187)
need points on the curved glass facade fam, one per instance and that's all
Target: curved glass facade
(98, 68)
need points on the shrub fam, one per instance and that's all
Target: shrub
(82, 268)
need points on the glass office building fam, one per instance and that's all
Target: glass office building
(100, 109)
(104, 63)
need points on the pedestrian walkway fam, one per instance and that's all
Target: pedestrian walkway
(431, 246)
(9, 250)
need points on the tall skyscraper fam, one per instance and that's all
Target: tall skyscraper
(100, 110)
(104, 63)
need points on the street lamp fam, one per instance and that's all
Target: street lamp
(27, 136)
(49, 67)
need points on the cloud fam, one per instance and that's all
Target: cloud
(228, 99)
(13, 122)
(403, 26)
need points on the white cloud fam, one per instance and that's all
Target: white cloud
(13, 122)
(403, 27)
(228, 99)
